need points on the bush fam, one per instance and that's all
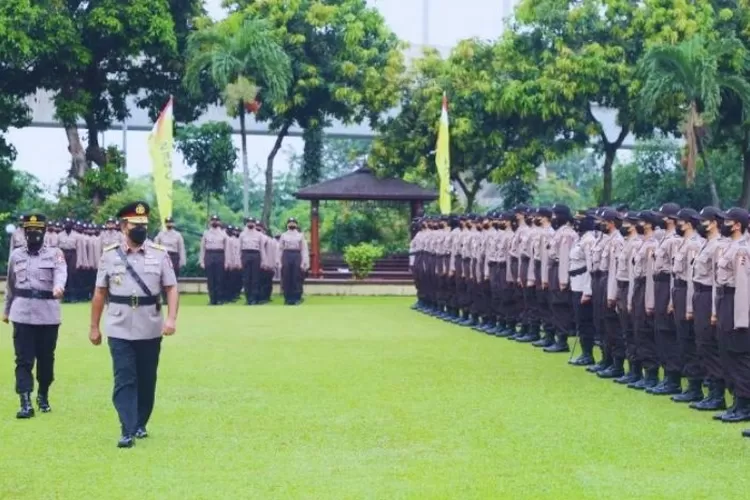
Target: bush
(361, 258)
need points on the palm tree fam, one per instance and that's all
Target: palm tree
(694, 72)
(240, 61)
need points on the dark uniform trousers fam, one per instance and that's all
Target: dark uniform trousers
(71, 285)
(456, 283)
(644, 327)
(690, 365)
(525, 317)
(734, 344)
(498, 306)
(538, 303)
(465, 284)
(706, 339)
(266, 284)
(561, 314)
(626, 322)
(34, 343)
(584, 319)
(214, 262)
(174, 257)
(251, 276)
(442, 280)
(666, 333)
(291, 274)
(135, 364)
(599, 301)
(614, 340)
(515, 295)
(417, 274)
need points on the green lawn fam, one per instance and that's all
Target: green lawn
(357, 398)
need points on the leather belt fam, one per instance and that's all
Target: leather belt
(33, 294)
(134, 301)
(577, 272)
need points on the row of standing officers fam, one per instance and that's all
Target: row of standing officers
(666, 288)
(234, 259)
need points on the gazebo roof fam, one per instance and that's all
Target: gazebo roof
(363, 184)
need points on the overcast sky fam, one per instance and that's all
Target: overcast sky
(43, 151)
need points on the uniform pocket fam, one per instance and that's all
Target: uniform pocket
(21, 271)
(46, 271)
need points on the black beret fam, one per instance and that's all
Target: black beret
(710, 213)
(736, 214)
(650, 217)
(609, 215)
(688, 215)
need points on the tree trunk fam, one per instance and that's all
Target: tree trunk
(312, 157)
(744, 200)
(610, 154)
(268, 196)
(79, 166)
(245, 166)
(94, 152)
(715, 201)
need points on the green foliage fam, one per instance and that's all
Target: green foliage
(346, 64)
(312, 157)
(101, 182)
(209, 151)
(361, 258)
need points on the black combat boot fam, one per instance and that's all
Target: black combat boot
(26, 411)
(42, 401)
(693, 392)
(587, 354)
(715, 400)
(546, 341)
(605, 363)
(615, 370)
(651, 379)
(531, 335)
(126, 442)
(635, 373)
(560, 345)
(670, 385)
(741, 411)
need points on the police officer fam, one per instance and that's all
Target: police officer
(268, 264)
(252, 244)
(214, 246)
(50, 237)
(704, 310)
(415, 261)
(68, 242)
(36, 280)
(171, 239)
(642, 305)
(295, 260)
(580, 285)
(682, 298)
(733, 312)
(130, 279)
(621, 292)
(17, 239)
(556, 268)
(520, 268)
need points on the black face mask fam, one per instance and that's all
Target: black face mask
(214, 224)
(251, 226)
(529, 221)
(514, 225)
(625, 231)
(170, 227)
(680, 230)
(702, 230)
(640, 229)
(486, 225)
(603, 227)
(293, 228)
(537, 222)
(496, 225)
(726, 230)
(34, 240)
(138, 234)
(556, 224)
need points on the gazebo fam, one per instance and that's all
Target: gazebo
(360, 185)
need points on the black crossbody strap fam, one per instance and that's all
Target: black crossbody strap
(132, 273)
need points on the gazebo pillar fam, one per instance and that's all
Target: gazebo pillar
(417, 210)
(315, 238)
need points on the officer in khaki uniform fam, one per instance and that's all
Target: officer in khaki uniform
(214, 248)
(130, 279)
(36, 280)
(252, 248)
(171, 239)
(294, 261)
(733, 312)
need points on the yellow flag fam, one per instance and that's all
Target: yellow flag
(443, 160)
(160, 147)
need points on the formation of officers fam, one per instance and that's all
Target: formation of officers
(130, 278)
(235, 259)
(249, 259)
(658, 289)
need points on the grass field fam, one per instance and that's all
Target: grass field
(356, 398)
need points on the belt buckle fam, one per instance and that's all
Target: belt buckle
(133, 301)
(35, 294)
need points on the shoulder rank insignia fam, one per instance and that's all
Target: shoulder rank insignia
(111, 247)
(158, 247)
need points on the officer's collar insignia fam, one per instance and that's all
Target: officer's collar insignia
(140, 210)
